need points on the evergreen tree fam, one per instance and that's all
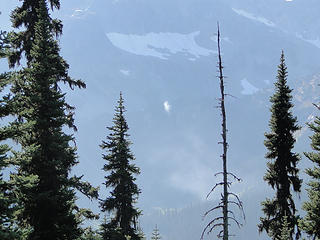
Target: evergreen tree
(121, 179)
(282, 173)
(156, 234)
(311, 222)
(48, 206)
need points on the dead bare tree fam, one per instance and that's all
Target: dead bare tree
(228, 198)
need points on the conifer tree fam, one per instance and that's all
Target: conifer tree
(311, 222)
(282, 173)
(47, 201)
(121, 178)
(156, 234)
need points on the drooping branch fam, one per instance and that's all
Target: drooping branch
(212, 209)
(209, 225)
(217, 184)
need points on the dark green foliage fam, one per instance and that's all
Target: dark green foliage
(49, 205)
(2, 44)
(111, 232)
(46, 192)
(7, 229)
(7, 199)
(121, 179)
(311, 222)
(285, 230)
(26, 16)
(282, 173)
(90, 234)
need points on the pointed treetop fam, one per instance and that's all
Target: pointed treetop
(121, 101)
(156, 234)
(282, 70)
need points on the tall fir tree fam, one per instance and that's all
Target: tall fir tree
(311, 222)
(48, 206)
(282, 173)
(121, 171)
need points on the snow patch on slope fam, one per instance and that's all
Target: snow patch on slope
(315, 42)
(161, 45)
(81, 13)
(254, 17)
(248, 88)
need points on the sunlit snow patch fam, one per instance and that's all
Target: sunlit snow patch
(248, 88)
(167, 106)
(81, 13)
(160, 45)
(254, 17)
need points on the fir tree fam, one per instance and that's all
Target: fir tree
(282, 173)
(48, 206)
(156, 234)
(121, 179)
(311, 222)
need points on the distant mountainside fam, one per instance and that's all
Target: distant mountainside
(161, 54)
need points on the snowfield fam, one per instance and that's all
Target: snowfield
(161, 45)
